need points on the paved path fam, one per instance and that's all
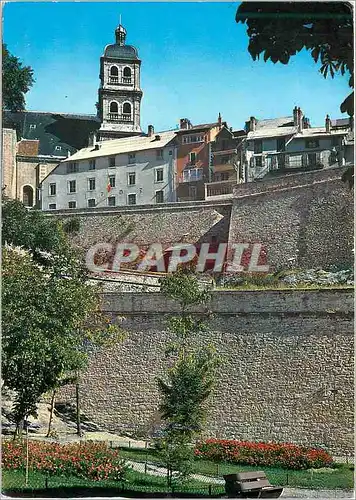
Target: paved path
(288, 493)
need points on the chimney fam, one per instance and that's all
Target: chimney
(252, 124)
(306, 122)
(328, 124)
(219, 120)
(150, 131)
(185, 124)
(300, 119)
(295, 116)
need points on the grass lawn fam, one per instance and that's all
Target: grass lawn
(14, 481)
(341, 476)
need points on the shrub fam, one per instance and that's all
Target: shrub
(284, 455)
(94, 461)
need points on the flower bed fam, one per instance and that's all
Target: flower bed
(285, 455)
(94, 461)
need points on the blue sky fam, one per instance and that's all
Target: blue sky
(195, 62)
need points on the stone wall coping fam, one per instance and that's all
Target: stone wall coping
(332, 302)
(164, 207)
(297, 180)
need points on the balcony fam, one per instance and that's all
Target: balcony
(115, 80)
(219, 190)
(277, 163)
(191, 175)
(116, 117)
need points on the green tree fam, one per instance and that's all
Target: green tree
(51, 312)
(189, 382)
(279, 30)
(16, 81)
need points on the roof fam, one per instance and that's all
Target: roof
(340, 122)
(125, 145)
(318, 131)
(284, 121)
(58, 133)
(265, 132)
(116, 51)
(195, 128)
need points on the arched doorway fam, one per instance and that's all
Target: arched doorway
(27, 196)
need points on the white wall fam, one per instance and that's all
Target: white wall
(145, 187)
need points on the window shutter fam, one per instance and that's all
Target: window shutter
(252, 161)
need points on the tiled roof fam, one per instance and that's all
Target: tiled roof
(340, 122)
(194, 128)
(285, 121)
(265, 132)
(125, 145)
(58, 133)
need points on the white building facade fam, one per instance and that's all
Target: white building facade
(120, 172)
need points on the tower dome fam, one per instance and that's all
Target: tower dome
(119, 49)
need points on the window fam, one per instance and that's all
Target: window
(159, 154)
(225, 160)
(192, 157)
(52, 189)
(72, 204)
(335, 141)
(91, 164)
(131, 199)
(159, 197)
(91, 184)
(281, 144)
(126, 109)
(131, 179)
(132, 157)
(111, 161)
(112, 181)
(58, 148)
(192, 192)
(159, 175)
(72, 168)
(257, 146)
(126, 77)
(52, 206)
(170, 152)
(258, 161)
(91, 202)
(114, 108)
(72, 186)
(311, 143)
(187, 139)
(114, 71)
(224, 176)
(111, 201)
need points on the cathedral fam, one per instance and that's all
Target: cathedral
(34, 143)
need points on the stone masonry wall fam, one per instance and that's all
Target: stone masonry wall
(307, 218)
(168, 224)
(9, 162)
(286, 368)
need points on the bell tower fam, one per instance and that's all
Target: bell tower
(120, 95)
